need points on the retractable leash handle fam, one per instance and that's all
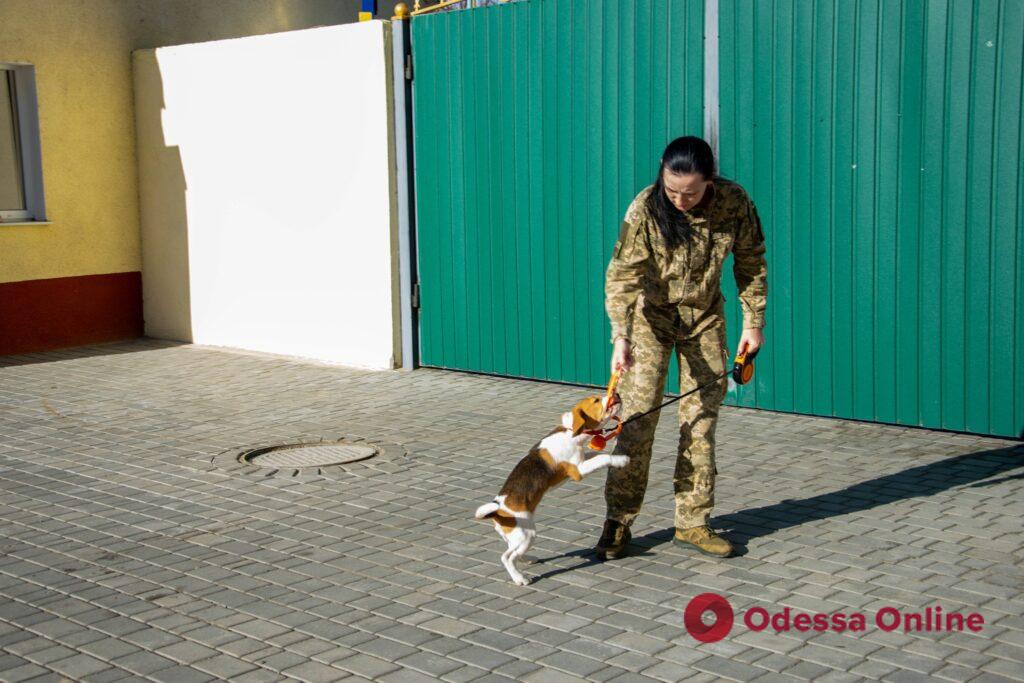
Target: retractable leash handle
(743, 367)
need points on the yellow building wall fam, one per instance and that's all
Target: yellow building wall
(81, 50)
(83, 79)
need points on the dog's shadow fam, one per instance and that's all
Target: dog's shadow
(972, 470)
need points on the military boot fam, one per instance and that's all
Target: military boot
(614, 540)
(703, 539)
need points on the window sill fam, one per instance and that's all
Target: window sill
(6, 223)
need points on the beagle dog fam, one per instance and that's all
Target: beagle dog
(558, 456)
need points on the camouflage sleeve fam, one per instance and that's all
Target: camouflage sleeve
(751, 268)
(624, 277)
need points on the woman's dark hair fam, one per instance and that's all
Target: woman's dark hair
(683, 155)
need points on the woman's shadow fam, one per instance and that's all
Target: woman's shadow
(972, 470)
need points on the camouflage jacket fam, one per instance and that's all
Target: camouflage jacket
(644, 271)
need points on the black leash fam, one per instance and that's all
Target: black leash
(673, 400)
(742, 371)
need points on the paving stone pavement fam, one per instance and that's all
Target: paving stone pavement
(128, 551)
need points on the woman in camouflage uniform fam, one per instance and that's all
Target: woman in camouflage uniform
(662, 291)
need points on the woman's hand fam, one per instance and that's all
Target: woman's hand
(622, 355)
(751, 340)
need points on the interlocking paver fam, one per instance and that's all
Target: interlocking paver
(25, 672)
(181, 674)
(143, 663)
(78, 665)
(429, 663)
(315, 672)
(109, 676)
(223, 666)
(406, 676)
(365, 665)
(126, 551)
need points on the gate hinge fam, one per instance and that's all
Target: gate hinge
(408, 67)
(416, 295)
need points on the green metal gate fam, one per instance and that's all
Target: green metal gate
(880, 141)
(535, 125)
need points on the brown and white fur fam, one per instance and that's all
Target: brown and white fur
(561, 455)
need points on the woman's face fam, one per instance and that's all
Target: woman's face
(684, 190)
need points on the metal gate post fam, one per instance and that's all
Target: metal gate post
(711, 74)
(401, 69)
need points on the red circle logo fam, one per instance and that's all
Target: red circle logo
(718, 606)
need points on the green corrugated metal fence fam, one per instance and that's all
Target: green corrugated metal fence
(535, 125)
(881, 142)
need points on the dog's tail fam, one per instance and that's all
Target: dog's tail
(487, 510)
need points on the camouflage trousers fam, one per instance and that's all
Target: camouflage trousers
(701, 354)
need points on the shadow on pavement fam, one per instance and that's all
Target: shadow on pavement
(114, 348)
(971, 470)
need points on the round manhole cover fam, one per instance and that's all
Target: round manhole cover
(315, 455)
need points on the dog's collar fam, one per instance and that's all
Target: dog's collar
(601, 439)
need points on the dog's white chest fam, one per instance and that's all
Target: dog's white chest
(562, 448)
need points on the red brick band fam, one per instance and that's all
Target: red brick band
(40, 315)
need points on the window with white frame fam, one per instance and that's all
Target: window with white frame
(21, 179)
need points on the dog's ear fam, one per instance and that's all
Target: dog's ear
(578, 421)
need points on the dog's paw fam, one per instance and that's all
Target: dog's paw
(520, 580)
(619, 460)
